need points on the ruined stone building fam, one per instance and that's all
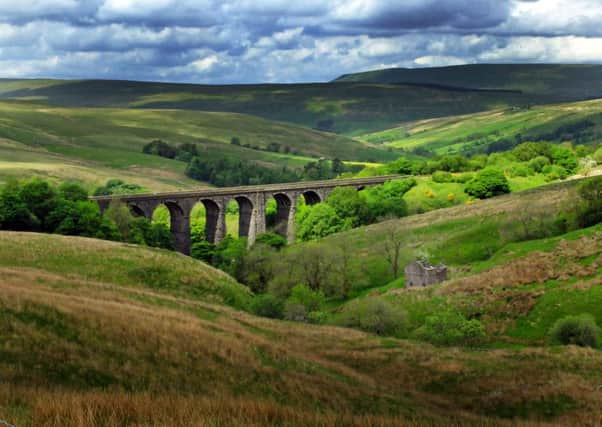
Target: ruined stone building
(422, 273)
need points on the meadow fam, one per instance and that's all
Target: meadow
(95, 144)
(474, 133)
(92, 344)
(344, 108)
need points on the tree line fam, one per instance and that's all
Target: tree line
(230, 171)
(37, 205)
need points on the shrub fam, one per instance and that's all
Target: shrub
(160, 148)
(577, 330)
(554, 172)
(303, 295)
(589, 211)
(450, 327)
(377, 316)
(538, 163)
(487, 183)
(463, 177)
(267, 305)
(564, 157)
(273, 240)
(295, 312)
(520, 169)
(317, 317)
(314, 222)
(530, 150)
(441, 177)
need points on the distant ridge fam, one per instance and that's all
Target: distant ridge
(563, 81)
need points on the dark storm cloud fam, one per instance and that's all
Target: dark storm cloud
(284, 40)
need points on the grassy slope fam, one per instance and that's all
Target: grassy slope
(457, 235)
(560, 80)
(454, 134)
(93, 144)
(88, 340)
(353, 108)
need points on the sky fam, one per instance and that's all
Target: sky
(284, 41)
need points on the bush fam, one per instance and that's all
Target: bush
(451, 328)
(160, 148)
(576, 330)
(463, 178)
(538, 163)
(520, 169)
(273, 240)
(377, 316)
(554, 172)
(117, 186)
(267, 305)
(314, 222)
(441, 177)
(303, 295)
(487, 183)
(564, 157)
(589, 211)
(295, 312)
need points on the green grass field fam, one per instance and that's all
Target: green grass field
(563, 81)
(96, 144)
(346, 108)
(478, 131)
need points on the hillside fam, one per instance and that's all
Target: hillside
(497, 130)
(562, 81)
(87, 339)
(348, 108)
(93, 144)
(457, 236)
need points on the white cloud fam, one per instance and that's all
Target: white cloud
(282, 40)
(205, 64)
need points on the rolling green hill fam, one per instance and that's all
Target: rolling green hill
(579, 122)
(348, 108)
(562, 81)
(94, 144)
(94, 333)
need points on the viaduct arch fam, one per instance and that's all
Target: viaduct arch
(251, 201)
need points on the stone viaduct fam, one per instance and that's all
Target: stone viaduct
(251, 202)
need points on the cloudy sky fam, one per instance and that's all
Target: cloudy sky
(246, 41)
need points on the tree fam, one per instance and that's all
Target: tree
(393, 243)
(314, 222)
(301, 302)
(337, 166)
(349, 206)
(564, 157)
(122, 217)
(450, 327)
(487, 183)
(73, 191)
(259, 267)
(388, 199)
(14, 212)
(83, 219)
(589, 211)
(41, 199)
(160, 148)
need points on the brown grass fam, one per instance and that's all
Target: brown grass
(178, 362)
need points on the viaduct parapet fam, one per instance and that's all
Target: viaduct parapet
(251, 203)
